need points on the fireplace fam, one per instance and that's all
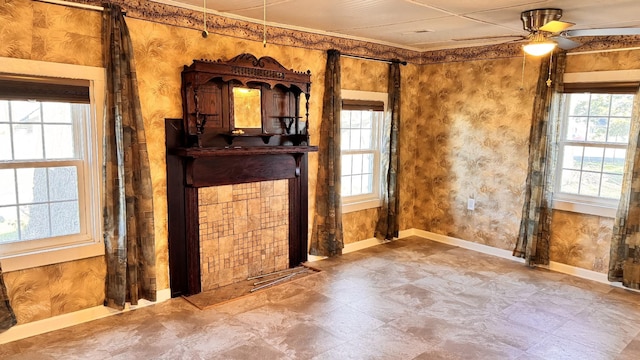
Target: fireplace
(243, 230)
(215, 169)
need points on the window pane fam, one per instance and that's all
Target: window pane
(590, 184)
(611, 186)
(365, 140)
(4, 111)
(32, 185)
(345, 119)
(597, 129)
(570, 182)
(355, 139)
(58, 142)
(55, 112)
(8, 224)
(622, 105)
(619, 130)
(577, 128)
(614, 160)
(592, 159)
(357, 164)
(345, 139)
(367, 163)
(34, 221)
(355, 119)
(367, 184)
(63, 183)
(346, 164)
(27, 141)
(356, 185)
(65, 218)
(366, 119)
(7, 187)
(25, 111)
(599, 104)
(5, 142)
(578, 104)
(572, 158)
(346, 186)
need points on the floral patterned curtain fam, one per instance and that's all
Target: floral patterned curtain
(326, 237)
(387, 226)
(624, 263)
(128, 196)
(535, 226)
(7, 316)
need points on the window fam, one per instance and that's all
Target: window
(594, 135)
(49, 165)
(360, 122)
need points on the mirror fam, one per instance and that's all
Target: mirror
(247, 110)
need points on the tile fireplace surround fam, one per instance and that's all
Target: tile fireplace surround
(243, 231)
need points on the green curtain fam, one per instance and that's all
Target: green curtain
(387, 226)
(624, 262)
(7, 316)
(326, 236)
(535, 226)
(128, 194)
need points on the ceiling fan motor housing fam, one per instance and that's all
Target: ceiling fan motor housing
(533, 20)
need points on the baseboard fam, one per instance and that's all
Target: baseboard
(363, 244)
(75, 318)
(506, 254)
(481, 248)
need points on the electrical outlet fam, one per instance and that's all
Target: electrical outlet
(471, 204)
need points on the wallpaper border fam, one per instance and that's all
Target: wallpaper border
(186, 18)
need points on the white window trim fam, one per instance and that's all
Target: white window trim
(582, 204)
(92, 245)
(364, 202)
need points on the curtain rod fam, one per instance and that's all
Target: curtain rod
(77, 5)
(374, 59)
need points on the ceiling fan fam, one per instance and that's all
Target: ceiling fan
(547, 31)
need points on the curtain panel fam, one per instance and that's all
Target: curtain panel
(326, 236)
(535, 226)
(7, 316)
(388, 226)
(128, 194)
(624, 262)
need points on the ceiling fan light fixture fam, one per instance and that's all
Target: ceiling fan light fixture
(539, 45)
(539, 49)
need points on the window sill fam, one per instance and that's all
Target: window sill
(49, 257)
(360, 205)
(585, 208)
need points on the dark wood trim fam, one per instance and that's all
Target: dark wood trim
(192, 240)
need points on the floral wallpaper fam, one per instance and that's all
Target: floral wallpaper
(471, 142)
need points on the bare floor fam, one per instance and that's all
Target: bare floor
(409, 299)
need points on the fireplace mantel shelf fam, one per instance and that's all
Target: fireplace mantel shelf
(196, 152)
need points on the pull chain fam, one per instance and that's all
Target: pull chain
(549, 82)
(205, 33)
(264, 23)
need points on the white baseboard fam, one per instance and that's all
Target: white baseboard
(362, 244)
(75, 318)
(506, 254)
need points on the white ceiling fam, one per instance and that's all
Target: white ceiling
(421, 24)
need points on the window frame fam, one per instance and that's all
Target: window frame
(89, 243)
(585, 204)
(373, 200)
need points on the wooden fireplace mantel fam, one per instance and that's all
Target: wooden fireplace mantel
(205, 148)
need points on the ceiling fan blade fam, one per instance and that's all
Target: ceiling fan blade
(602, 32)
(555, 26)
(497, 37)
(564, 43)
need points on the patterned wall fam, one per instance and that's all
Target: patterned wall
(471, 141)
